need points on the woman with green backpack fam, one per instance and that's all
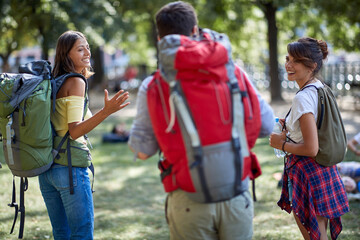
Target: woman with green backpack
(313, 192)
(66, 186)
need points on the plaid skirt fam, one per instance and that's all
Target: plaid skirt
(316, 190)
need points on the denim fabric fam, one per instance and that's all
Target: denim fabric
(71, 216)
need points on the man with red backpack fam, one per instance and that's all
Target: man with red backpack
(204, 115)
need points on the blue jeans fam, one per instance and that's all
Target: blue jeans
(71, 216)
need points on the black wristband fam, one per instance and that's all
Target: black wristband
(283, 147)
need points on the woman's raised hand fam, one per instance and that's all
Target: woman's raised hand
(116, 103)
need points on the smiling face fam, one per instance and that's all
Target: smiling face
(80, 55)
(297, 71)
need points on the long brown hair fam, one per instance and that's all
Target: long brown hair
(63, 63)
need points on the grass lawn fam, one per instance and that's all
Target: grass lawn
(129, 198)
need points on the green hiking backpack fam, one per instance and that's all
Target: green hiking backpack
(27, 133)
(25, 119)
(331, 131)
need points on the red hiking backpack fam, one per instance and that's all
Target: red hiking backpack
(206, 117)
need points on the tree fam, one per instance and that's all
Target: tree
(49, 20)
(270, 8)
(138, 19)
(220, 15)
(32, 21)
(129, 24)
(99, 21)
(342, 19)
(15, 29)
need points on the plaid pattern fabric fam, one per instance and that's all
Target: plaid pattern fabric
(317, 190)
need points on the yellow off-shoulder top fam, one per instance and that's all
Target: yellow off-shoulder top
(67, 110)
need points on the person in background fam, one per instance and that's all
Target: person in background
(72, 215)
(350, 175)
(353, 144)
(314, 193)
(187, 219)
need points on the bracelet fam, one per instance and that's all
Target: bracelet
(283, 145)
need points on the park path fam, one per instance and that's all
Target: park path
(349, 110)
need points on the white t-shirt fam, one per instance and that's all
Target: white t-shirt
(305, 101)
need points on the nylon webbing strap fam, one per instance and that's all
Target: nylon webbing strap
(239, 142)
(198, 155)
(321, 115)
(253, 190)
(53, 86)
(92, 169)
(166, 172)
(14, 205)
(238, 164)
(56, 151)
(178, 100)
(21, 209)
(23, 188)
(238, 128)
(70, 167)
(9, 136)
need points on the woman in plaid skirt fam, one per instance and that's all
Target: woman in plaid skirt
(314, 193)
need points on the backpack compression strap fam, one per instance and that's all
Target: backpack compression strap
(9, 138)
(14, 205)
(23, 188)
(239, 142)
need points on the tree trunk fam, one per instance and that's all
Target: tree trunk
(5, 65)
(44, 44)
(98, 66)
(45, 50)
(154, 37)
(275, 84)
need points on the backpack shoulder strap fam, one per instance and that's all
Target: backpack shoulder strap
(57, 83)
(325, 95)
(307, 86)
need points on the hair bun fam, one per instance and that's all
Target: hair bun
(323, 47)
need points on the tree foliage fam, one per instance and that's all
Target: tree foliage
(259, 29)
(342, 19)
(14, 25)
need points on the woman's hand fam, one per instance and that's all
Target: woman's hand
(116, 102)
(276, 140)
(77, 129)
(282, 121)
